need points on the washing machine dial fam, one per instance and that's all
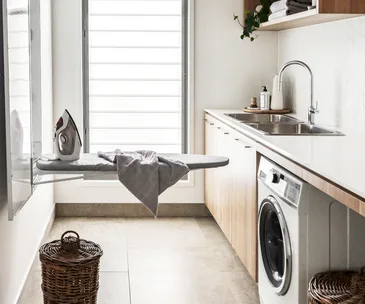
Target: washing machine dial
(274, 177)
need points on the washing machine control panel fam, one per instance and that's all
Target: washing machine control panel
(281, 182)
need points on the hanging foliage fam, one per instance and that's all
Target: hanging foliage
(254, 19)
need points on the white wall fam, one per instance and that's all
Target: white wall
(227, 73)
(20, 239)
(336, 53)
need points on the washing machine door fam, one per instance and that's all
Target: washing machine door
(275, 246)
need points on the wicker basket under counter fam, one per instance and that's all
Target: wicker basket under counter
(70, 270)
(337, 287)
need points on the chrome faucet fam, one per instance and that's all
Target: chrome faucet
(313, 108)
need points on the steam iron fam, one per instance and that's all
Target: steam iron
(67, 140)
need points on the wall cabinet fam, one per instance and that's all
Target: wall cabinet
(324, 11)
(230, 192)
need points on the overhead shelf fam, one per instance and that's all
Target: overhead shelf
(306, 18)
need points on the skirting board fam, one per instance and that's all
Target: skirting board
(129, 210)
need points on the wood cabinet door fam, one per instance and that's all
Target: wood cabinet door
(244, 203)
(212, 176)
(230, 192)
(209, 173)
(217, 189)
(224, 181)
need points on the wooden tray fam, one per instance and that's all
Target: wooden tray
(258, 111)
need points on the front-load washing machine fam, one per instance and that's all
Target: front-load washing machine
(301, 231)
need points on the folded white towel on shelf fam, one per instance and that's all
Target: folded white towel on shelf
(278, 6)
(277, 15)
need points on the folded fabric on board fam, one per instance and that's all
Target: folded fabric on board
(145, 174)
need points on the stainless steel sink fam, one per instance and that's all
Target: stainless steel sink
(263, 118)
(292, 129)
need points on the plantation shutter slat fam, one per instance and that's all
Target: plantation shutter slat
(135, 68)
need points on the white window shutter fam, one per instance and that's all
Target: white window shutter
(135, 68)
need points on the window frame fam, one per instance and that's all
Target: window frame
(185, 147)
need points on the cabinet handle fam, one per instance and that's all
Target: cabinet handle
(206, 120)
(246, 146)
(224, 131)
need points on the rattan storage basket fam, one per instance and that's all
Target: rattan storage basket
(337, 287)
(70, 270)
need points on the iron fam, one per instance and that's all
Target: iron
(66, 139)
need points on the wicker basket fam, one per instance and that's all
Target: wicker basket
(337, 287)
(70, 270)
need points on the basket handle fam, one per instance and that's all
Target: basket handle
(68, 245)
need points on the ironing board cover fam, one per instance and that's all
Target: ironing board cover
(91, 162)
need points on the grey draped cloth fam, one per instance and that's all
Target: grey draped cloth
(145, 174)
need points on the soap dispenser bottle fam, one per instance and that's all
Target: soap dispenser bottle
(264, 99)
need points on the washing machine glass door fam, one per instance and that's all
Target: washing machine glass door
(275, 248)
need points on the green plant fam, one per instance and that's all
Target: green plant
(254, 19)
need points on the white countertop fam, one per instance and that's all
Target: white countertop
(340, 159)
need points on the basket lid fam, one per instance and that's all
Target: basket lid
(70, 249)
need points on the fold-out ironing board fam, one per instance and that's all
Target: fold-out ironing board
(91, 166)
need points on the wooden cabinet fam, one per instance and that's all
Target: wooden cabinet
(217, 180)
(243, 203)
(341, 7)
(230, 192)
(250, 5)
(325, 11)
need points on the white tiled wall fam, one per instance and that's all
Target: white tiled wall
(336, 53)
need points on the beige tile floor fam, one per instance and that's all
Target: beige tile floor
(163, 261)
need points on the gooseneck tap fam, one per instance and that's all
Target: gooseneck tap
(313, 108)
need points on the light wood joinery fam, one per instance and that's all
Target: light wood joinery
(250, 5)
(341, 6)
(230, 192)
(325, 11)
